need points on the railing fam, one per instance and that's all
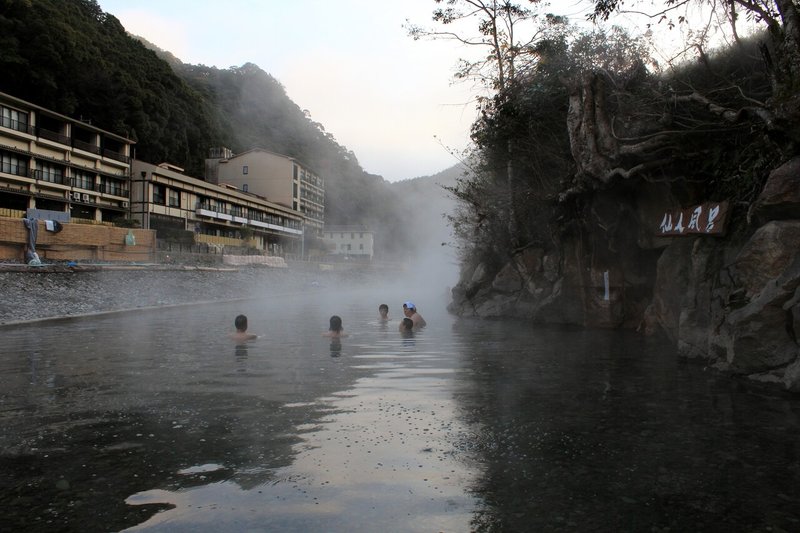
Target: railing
(86, 147)
(11, 213)
(85, 184)
(270, 219)
(116, 190)
(116, 156)
(214, 208)
(53, 136)
(90, 221)
(255, 215)
(17, 170)
(50, 177)
(17, 125)
(233, 211)
(219, 241)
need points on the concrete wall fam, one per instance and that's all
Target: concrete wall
(267, 260)
(268, 174)
(76, 242)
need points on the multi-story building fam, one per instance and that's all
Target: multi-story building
(52, 162)
(165, 199)
(350, 241)
(55, 163)
(279, 178)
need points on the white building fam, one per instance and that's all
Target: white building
(350, 241)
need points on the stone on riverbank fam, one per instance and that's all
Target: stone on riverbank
(30, 294)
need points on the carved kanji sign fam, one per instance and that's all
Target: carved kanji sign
(710, 218)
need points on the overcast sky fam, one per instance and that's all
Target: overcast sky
(388, 98)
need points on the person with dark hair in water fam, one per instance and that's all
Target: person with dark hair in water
(240, 323)
(406, 327)
(383, 311)
(335, 329)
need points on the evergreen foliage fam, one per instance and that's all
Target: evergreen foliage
(72, 57)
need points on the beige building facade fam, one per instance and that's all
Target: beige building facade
(280, 179)
(165, 199)
(52, 162)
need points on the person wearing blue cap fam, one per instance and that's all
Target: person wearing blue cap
(410, 310)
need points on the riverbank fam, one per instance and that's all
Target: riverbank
(33, 294)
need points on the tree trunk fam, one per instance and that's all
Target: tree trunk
(791, 39)
(591, 141)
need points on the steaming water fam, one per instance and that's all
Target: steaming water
(155, 421)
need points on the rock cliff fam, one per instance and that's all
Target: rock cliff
(730, 299)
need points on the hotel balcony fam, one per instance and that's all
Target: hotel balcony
(205, 210)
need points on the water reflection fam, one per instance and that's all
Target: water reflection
(595, 432)
(468, 425)
(240, 353)
(336, 348)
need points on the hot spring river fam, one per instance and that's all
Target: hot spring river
(155, 421)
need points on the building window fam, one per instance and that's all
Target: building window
(174, 198)
(244, 187)
(360, 246)
(50, 173)
(349, 247)
(11, 118)
(294, 171)
(83, 180)
(110, 186)
(159, 194)
(245, 169)
(11, 164)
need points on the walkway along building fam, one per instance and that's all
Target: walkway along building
(52, 162)
(165, 199)
(279, 178)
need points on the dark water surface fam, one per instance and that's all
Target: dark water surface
(155, 421)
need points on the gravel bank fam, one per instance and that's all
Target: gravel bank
(32, 295)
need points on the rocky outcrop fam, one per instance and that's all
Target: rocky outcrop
(733, 301)
(759, 336)
(780, 198)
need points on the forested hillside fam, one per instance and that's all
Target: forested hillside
(73, 58)
(70, 56)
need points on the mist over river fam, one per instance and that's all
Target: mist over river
(155, 421)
